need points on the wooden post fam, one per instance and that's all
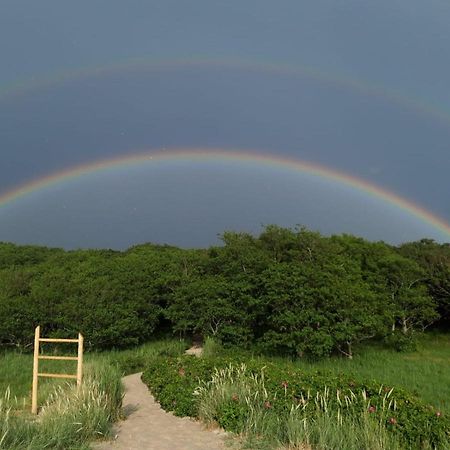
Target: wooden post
(34, 394)
(80, 360)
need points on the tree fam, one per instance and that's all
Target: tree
(412, 307)
(434, 259)
(317, 308)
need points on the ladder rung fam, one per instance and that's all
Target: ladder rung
(61, 358)
(57, 340)
(56, 375)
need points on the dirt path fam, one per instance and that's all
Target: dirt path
(148, 427)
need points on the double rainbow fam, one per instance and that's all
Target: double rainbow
(221, 155)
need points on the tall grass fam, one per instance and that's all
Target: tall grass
(238, 400)
(15, 373)
(70, 418)
(16, 368)
(423, 372)
(134, 360)
(211, 348)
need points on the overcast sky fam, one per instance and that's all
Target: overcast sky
(398, 49)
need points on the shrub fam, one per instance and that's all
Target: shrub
(211, 348)
(236, 396)
(401, 342)
(173, 381)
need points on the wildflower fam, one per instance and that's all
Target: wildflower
(372, 409)
(285, 384)
(267, 404)
(438, 413)
(234, 397)
(181, 372)
(393, 421)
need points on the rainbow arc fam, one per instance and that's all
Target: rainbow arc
(220, 156)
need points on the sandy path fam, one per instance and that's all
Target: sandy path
(148, 427)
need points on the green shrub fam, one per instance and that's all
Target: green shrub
(174, 382)
(401, 342)
(211, 348)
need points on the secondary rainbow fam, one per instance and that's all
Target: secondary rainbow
(356, 85)
(221, 155)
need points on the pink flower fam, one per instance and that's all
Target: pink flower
(267, 404)
(393, 421)
(234, 397)
(285, 384)
(438, 413)
(372, 409)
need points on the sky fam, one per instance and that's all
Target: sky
(357, 87)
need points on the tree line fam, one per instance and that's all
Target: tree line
(292, 291)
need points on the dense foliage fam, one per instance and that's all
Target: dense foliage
(183, 384)
(290, 291)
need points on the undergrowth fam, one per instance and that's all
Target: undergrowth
(284, 406)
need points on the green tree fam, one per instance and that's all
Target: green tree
(434, 259)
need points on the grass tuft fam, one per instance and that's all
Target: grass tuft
(70, 418)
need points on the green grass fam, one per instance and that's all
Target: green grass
(272, 406)
(16, 371)
(16, 368)
(68, 419)
(328, 427)
(134, 360)
(425, 372)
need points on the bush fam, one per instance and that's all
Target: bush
(236, 393)
(401, 342)
(212, 348)
(173, 380)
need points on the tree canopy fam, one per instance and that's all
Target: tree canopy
(286, 290)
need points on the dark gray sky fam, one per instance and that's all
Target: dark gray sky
(398, 46)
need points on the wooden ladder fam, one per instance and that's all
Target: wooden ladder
(78, 376)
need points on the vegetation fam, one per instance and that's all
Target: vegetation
(316, 320)
(69, 418)
(424, 372)
(269, 427)
(285, 291)
(287, 406)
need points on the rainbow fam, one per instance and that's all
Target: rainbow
(221, 155)
(417, 105)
